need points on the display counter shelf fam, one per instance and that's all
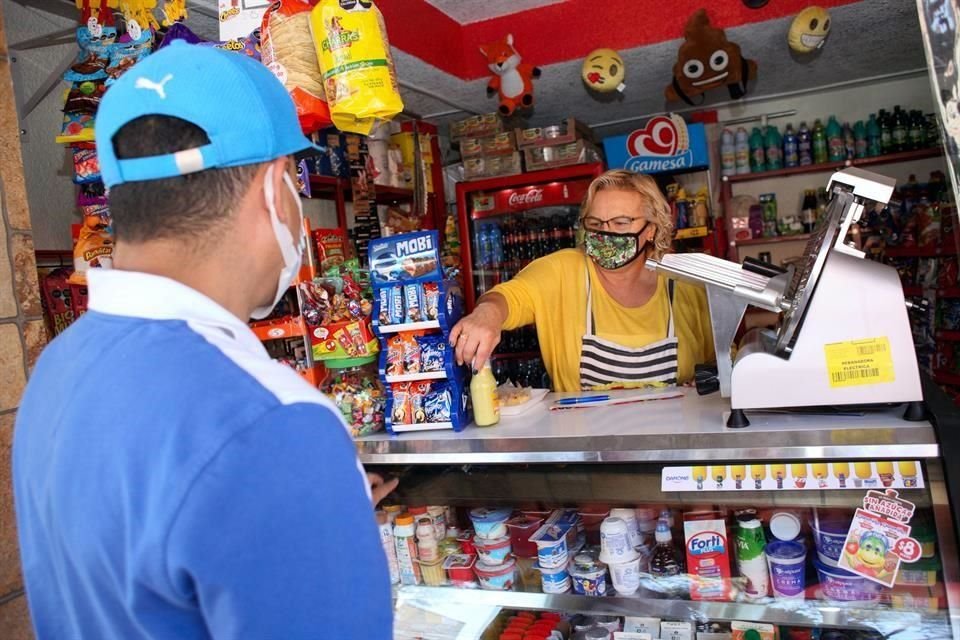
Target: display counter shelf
(691, 428)
(821, 614)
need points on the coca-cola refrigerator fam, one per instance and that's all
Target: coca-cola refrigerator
(506, 223)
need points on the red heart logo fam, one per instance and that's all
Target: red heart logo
(659, 138)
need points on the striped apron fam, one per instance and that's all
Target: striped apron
(603, 362)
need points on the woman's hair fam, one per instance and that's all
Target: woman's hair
(655, 207)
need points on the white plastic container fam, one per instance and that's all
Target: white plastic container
(389, 546)
(626, 577)
(615, 542)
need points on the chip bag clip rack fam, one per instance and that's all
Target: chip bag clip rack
(414, 311)
(358, 72)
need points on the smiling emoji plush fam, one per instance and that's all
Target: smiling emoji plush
(707, 60)
(809, 30)
(603, 71)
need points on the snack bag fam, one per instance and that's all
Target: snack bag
(77, 127)
(358, 73)
(57, 300)
(94, 240)
(84, 97)
(286, 48)
(95, 45)
(86, 166)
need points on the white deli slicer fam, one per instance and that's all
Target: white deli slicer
(844, 337)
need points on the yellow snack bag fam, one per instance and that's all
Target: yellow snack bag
(358, 73)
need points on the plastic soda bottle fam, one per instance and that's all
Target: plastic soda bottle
(483, 393)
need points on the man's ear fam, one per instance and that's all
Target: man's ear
(279, 167)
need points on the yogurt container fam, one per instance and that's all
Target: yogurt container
(466, 543)
(829, 536)
(490, 524)
(521, 529)
(459, 569)
(555, 580)
(497, 577)
(552, 548)
(842, 585)
(589, 575)
(493, 552)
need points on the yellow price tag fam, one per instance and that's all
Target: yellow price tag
(859, 362)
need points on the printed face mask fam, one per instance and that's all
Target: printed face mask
(611, 250)
(292, 252)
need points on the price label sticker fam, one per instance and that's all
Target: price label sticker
(859, 362)
(907, 549)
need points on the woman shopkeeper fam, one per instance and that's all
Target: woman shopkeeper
(602, 318)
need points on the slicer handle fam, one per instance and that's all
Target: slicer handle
(762, 268)
(918, 307)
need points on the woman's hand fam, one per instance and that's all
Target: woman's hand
(477, 335)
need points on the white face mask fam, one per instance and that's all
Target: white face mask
(291, 251)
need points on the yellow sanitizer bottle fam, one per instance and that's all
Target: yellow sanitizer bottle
(483, 393)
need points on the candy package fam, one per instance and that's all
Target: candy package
(413, 302)
(78, 299)
(93, 246)
(94, 56)
(411, 354)
(394, 355)
(431, 300)
(303, 179)
(418, 397)
(56, 300)
(77, 127)
(400, 411)
(433, 353)
(86, 167)
(438, 402)
(395, 305)
(331, 246)
(286, 48)
(350, 40)
(84, 97)
(130, 49)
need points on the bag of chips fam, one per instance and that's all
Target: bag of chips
(286, 48)
(94, 56)
(94, 239)
(358, 73)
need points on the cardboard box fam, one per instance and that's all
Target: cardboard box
(489, 167)
(480, 126)
(504, 143)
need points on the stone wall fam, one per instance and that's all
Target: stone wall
(22, 336)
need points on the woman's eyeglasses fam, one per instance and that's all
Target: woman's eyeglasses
(620, 224)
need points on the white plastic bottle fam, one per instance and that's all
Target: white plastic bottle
(728, 153)
(403, 536)
(389, 546)
(742, 151)
(427, 550)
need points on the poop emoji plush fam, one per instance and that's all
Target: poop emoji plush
(707, 60)
(809, 30)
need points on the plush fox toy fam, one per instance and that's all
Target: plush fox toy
(512, 79)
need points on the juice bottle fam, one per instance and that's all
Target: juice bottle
(718, 474)
(799, 473)
(820, 153)
(874, 134)
(758, 159)
(860, 139)
(779, 473)
(759, 473)
(791, 151)
(836, 147)
(885, 471)
(804, 145)
(842, 471)
(773, 146)
(864, 473)
(483, 393)
(820, 473)
(908, 471)
(739, 473)
(665, 562)
(427, 548)
(699, 475)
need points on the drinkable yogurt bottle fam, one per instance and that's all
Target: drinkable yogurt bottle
(389, 546)
(751, 558)
(406, 543)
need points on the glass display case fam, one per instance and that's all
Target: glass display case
(655, 518)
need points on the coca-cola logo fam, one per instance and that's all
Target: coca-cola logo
(533, 196)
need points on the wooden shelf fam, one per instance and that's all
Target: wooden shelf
(950, 336)
(912, 290)
(920, 252)
(803, 237)
(949, 292)
(903, 156)
(942, 377)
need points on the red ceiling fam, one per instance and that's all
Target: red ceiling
(564, 31)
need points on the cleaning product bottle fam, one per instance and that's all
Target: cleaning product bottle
(758, 160)
(665, 562)
(804, 145)
(791, 151)
(860, 139)
(874, 137)
(886, 131)
(900, 130)
(820, 154)
(774, 149)
(483, 393)
(836, 144)
(743, 151)
(728, 153)
(849, 142)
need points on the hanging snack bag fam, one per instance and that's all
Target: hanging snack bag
(358, 73)
(95, 46)
(286, 48)
(94, 242)
(86, 167)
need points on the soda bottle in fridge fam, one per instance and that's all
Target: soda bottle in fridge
(665, 561)
(496, 246)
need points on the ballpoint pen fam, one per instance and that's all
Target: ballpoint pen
(582, 400)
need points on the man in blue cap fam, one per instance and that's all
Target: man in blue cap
(171, 480)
